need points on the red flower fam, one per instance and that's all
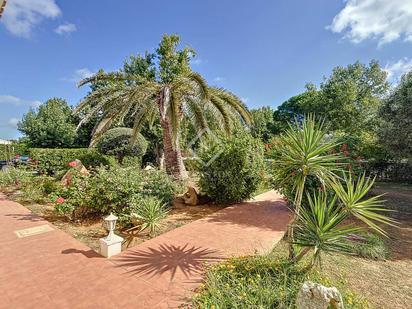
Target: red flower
(29, 159)
(60, 200)
(73, 164)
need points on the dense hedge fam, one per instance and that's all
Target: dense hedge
(50, 161)
(390, 171)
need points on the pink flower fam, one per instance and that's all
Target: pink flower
(73, 164)
(60, 200)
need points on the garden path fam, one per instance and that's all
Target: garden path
(53, 270)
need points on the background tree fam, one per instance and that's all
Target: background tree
(50, 126)
(396, 113)
(176, 93)
(263, 123)
(116, 142)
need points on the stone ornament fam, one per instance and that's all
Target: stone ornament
(316, 296)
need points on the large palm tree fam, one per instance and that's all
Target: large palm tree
(173, 92)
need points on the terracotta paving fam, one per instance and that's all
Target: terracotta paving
(53, 270)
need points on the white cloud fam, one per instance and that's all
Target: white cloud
(13, 100)
(9, 99)
(79, 74)
(35, 104)
(396, 69)
(13, 122)
(218, 79)
(66, 28)
(383, 20)
(20, 17)
(196, 61)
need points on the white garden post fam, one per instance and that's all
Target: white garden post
(112, 243)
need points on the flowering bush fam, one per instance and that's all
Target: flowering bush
(112, 190)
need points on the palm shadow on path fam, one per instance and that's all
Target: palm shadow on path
(159, 260)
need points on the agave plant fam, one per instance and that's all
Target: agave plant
(170, 91)
(305, 151)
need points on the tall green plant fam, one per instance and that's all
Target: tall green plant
(321, 226)
(304, 150)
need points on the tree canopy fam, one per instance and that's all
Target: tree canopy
(396, 113)
(50, 126)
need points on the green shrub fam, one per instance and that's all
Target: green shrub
(116, 142)
(112, 190)
(230, 168)
(148, 213)
(260, 282)
(371, 247)
(51, 161)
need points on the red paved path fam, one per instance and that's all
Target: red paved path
(53, 270)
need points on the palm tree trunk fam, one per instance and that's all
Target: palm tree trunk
(172, 152)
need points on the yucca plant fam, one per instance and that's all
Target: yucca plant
(305, 151)
(149, 214)
(352, 195)
(169, 90)
(320, 226)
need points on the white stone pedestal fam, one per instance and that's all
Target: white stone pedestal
(110, 246)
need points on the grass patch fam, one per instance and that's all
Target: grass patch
(260, 282)
(371, 247)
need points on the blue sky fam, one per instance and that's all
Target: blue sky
(264, 51)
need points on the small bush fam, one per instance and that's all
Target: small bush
(372, 247)
(260, 282)
(230, 168)
(52, 161)
(148, 213)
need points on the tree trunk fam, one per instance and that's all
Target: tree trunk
(172, 152)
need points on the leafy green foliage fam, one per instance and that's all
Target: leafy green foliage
(116, 142)
(230, 168)
(113, 190)
(149, 213)
(260, 282)
(50, 161)
(13, 177)
(264, 126)
(50, 126)
(396, 112)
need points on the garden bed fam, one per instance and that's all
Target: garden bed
(90, 231)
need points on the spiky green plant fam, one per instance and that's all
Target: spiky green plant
(150, 212)
(305, 150)
(320, 226)
(173, 91)
(352, 195)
